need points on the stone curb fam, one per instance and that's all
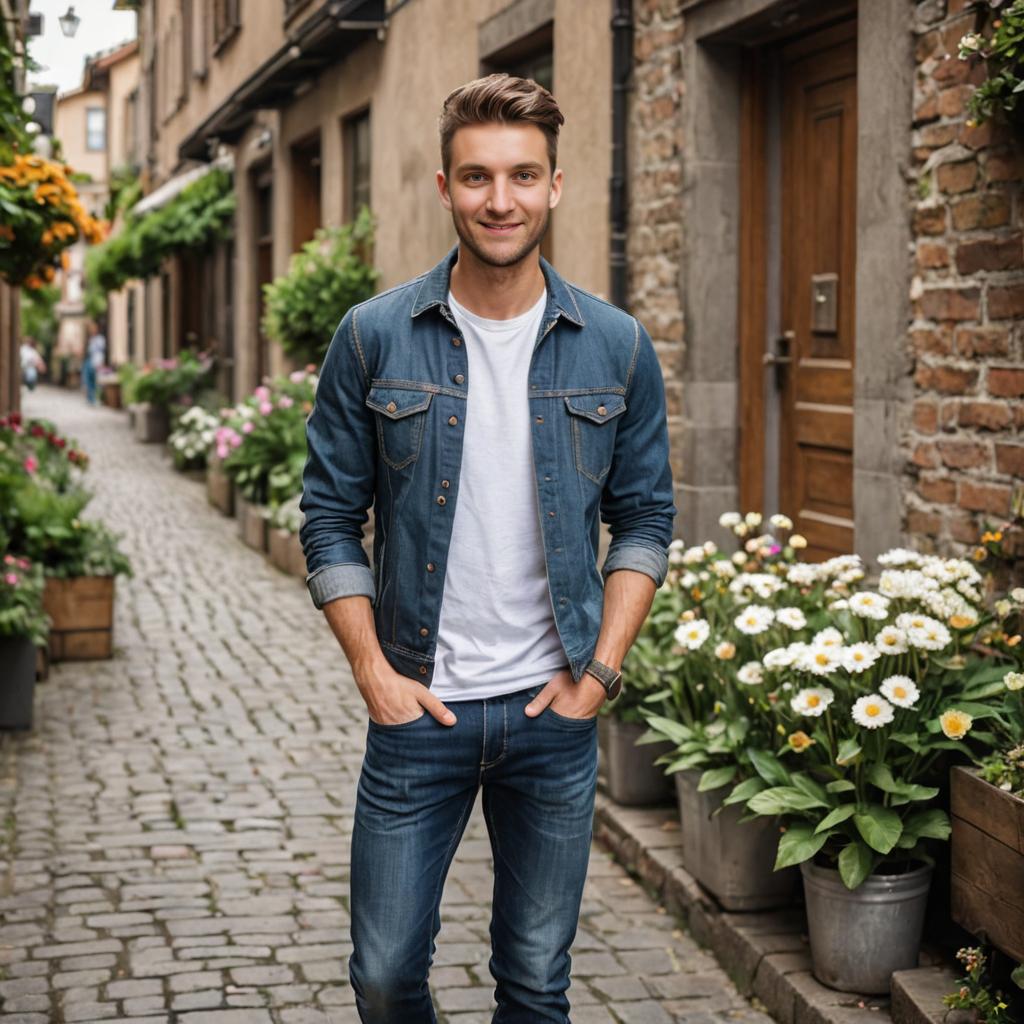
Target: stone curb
(764, 953)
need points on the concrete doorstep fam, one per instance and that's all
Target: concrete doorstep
(766, 953)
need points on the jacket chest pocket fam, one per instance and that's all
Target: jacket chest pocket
(401, 417)
(593, 431)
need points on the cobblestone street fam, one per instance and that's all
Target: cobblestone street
(176, 825)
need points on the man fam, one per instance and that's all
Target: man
(32, 363)
(95, 354)
(489, 412)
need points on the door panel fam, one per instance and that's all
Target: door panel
(818, 197)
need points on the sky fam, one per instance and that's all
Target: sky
(101, 28)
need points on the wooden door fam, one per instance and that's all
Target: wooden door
(817, 234)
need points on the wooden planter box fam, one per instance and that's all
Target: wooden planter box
(220, 492)
(296, 558)
(279, 548)
(82, 612)
(152, 423)
(252, 524)
(987, 883)
(111, 394)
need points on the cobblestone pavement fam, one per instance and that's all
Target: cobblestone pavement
(177, 823)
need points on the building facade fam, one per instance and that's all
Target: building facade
(788, 193)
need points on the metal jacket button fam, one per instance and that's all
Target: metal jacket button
(423, 670)
(456, 342)
(440, 499)
(391, 407)
(430, 566)
(424, 631)
(601, 410)
(444, 483)
(459, 378)
(452, 420)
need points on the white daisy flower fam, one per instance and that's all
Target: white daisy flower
(688, 579)
(792, 617)
(820, 661)
(859, 657)
(868, 605)
(751, 673)
(899, 556)
(813, 701)
(901, 691)
(839, 606)
(891, 640)
(753, 519)
(729, 519)
(725, 650)
(724, 568)
(692, 634)
(872, 711)
(931, 637)
(802, 574)
(781, 521)
(829, 637)
(780, 657)
(754, 619)
(694, 554)
(738, 557)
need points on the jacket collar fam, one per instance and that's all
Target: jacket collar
(433, 291)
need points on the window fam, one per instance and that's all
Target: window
(356, 140)
(95, 128)
(226, 21)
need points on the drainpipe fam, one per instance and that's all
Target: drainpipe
(622, 70)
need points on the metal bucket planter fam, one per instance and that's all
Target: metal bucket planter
(18, 656)
(152, 423)
(733, 860)
(630, 773)
(860, 936)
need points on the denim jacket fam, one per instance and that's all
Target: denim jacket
(386, 431)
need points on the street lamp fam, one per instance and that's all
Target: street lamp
(69, 22)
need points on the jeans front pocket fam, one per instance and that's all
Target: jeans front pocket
(401, 415)
(593, 433)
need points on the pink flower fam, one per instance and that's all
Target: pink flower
(262, 393)
(8, 559)
(266, 408)
(234, 440)
(23, 563)
(248, 427)
(31, 464)
(11, 578)
(284, 402)
(297, 376)
(222, 451)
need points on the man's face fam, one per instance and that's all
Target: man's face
(500, 190)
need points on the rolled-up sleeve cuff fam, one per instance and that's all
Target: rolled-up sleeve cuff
(346, 579)
(641, 558)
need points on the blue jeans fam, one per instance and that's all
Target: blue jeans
(89, 379)
(417, 787)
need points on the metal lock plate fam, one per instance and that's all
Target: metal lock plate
(824, 292)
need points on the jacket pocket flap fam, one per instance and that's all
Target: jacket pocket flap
(596, 408)
(398, 402)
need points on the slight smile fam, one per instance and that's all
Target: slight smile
(500, 229)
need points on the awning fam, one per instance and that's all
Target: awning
(324, 39)
(169, 189)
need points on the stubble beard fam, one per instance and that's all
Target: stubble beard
(529, 244)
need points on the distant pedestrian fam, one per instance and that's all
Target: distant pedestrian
(32, 363)
(95, 356)
(489, 411)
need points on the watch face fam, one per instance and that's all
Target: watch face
(613, 690)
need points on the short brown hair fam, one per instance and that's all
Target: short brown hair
(499, 99)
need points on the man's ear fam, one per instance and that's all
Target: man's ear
(555, 188)
(442, 190)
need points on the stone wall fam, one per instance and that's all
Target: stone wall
(965, 448)
(655, 175)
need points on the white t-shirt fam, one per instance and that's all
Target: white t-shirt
(497, 628)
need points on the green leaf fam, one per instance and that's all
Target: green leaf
(768, 767)
(836, 817)
(781, 799)
(855, 864)
(849, 751)
(675, 731)
(716, 778)
(841, 786)
(879, 827)
(811, 787)
(744, 791)
(1017, 976)
(930, 824)
(797, 844)
(881, 776)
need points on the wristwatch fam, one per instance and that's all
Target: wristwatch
(606, 676)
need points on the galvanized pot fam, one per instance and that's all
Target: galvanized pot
(631, 776)
(18, 656)
(860, 936)
(733, 860)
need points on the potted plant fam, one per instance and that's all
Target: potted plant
(192, 438)
(998, 96)
(874, 706)
(730, 609)
(171, 382)
(23, 629)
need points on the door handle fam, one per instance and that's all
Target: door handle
(782, 357)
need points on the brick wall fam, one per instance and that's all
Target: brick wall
(965, 447)
(654, 246)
